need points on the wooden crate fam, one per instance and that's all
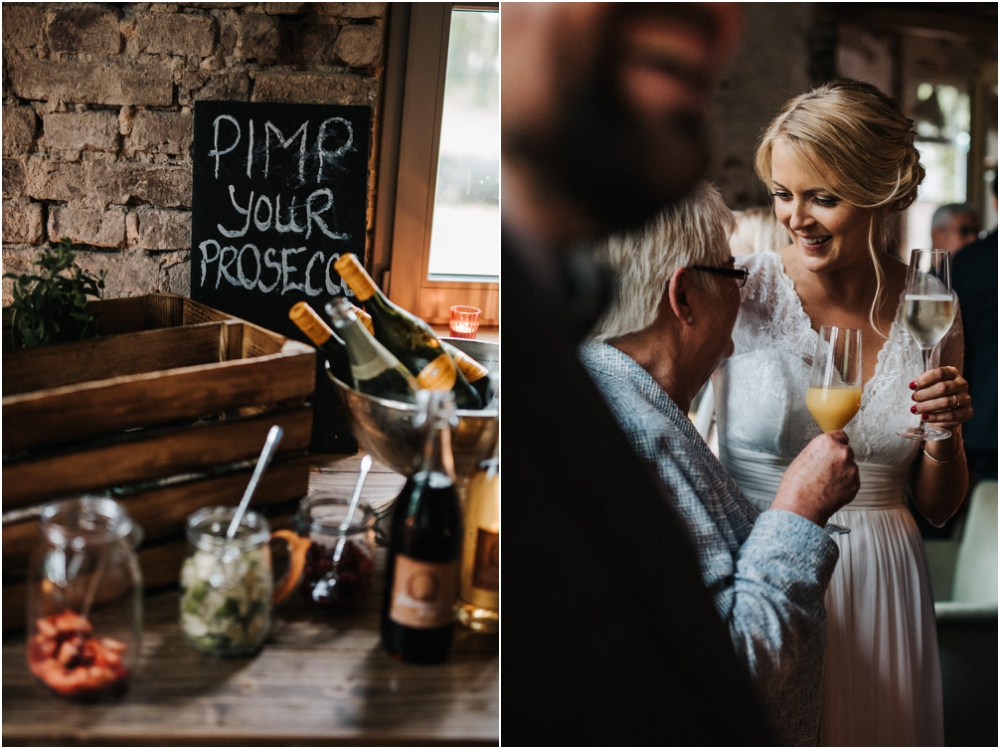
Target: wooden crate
(166, 413)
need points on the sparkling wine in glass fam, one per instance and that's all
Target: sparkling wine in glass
(928, 311)
(834, 394)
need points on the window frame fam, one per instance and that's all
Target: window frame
(421, 104)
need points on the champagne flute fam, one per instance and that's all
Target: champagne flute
(834, 394)
(928, 311)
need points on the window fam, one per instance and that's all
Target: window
(445, 246)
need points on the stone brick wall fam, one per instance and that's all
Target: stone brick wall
(772, 65)
(98, 116)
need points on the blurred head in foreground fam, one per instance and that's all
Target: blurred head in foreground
(603, 110)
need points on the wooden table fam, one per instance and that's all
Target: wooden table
(319, 679)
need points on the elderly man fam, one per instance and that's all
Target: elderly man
(610, 635)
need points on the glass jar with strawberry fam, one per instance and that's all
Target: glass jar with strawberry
(85, 598)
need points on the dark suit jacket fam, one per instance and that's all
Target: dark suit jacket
(609, 636)
(974, 279)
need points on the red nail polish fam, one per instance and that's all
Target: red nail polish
(913, 386)
(913, 409)
(925, 417)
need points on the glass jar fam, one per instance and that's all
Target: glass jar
(226, 583)
(85, 598)
(339, 565)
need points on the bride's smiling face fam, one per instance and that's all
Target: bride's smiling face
(829, 233)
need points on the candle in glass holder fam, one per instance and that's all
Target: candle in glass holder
(464, 321)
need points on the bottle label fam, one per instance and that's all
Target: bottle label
(355, 276)
(422, 592)
(439, 374)
(372, 368)
(486, 569)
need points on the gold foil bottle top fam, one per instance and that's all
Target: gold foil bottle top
(355, 276)
(310, 323)
(364, 317)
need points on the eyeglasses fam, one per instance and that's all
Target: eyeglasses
(737, 271)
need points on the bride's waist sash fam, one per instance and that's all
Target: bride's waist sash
(758, 475)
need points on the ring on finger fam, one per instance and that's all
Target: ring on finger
(955, 402)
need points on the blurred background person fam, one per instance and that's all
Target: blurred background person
(611, 636)
(953, 226)
(668, 328)
(974, 279)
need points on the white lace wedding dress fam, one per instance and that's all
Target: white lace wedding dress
(882, 682)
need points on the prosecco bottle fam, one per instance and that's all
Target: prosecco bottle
(475, 373)
(408, 337)
(425, 541)
(310, 323)
(478, 606)
(376, 371)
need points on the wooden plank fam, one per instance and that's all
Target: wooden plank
(125, 315)
(115, 356)
(76, 412)
(15, 606)
(162, 512)
(185, 450)
(166, 310)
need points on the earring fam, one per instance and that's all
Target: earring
(690, 320)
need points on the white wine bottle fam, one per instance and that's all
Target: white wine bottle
(408, 337)
(478, 607)
(376, 371)
(309, 322)
(475, 373)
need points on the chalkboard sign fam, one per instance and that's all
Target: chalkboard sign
(280, 193)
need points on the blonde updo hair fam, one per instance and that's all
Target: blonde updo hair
(867, 148)
(693, 231)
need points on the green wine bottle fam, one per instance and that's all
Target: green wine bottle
(310, 323)
(376, 371)
(407, 336)
(475, 373)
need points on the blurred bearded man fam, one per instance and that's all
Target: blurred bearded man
(610, 636)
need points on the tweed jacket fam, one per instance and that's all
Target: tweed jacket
(768, 572)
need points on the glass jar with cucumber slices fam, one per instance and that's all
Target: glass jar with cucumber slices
(226, 584)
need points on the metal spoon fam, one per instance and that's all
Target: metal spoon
(324, 587)
(366, 464)
(270, 447)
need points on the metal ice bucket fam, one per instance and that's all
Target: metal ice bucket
(385, 428)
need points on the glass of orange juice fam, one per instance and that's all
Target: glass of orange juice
(834, 394)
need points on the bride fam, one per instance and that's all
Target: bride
(840, 162)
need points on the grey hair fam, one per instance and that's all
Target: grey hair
(946, 212)
(694, 231)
